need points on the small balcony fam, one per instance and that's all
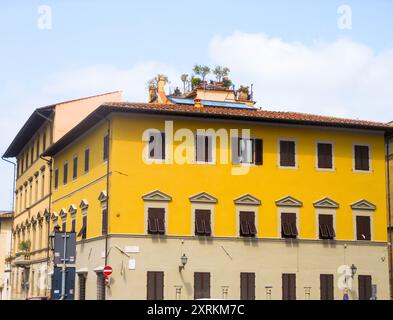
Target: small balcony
(22, 259)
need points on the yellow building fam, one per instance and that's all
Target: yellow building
(30, 252)
(264, 205)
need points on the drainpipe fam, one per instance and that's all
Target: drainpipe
(390, 248)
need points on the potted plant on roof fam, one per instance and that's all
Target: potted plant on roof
(243, 93)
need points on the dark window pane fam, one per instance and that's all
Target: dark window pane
(365, 287)
(75, 168)
(157, 146)
(288, 225)
(363, 228)
(65, 173)
(106, 147)
(87, 160)
(289, 286)
(258, 152)
(203, 222)
(247, 286)
(325, 156)
(156, 221)
(327, 286)
(326, 229)
(202, 285)
(287, 154)
(155, 285)
(56, 178)
(362, 161)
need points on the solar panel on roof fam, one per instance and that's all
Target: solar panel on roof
(210, 103)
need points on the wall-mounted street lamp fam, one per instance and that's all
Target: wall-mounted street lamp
(354, 269)
(184, 260)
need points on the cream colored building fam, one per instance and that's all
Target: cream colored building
(46, 125)
(5, 252)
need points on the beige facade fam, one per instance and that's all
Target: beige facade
(5, 252)
(131, 257)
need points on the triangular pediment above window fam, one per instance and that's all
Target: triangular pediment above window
(54, 216)
(364, 205)
(84, 204)
(289, 202)
(248, 200)
(72, 209)
(203, 198)
(157, 196)
(103, 196)
(63, 213)
(326, 203)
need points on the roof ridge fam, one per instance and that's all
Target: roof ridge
(257, 109)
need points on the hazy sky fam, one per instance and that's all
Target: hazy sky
(307, 56)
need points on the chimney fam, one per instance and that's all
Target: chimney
(161, 84)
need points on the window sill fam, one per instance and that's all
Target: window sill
(325, 169)
(288, 168)
(362, 171)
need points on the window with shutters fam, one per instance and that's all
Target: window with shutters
(324, 155)
(105, 147)
(75, 168)
(365, 287)
(363, 228)
(289, 286)
(203, 223)
(287, 154)
(64, 226)
(247, 224)
(155, 285)
(83, 231)
(201, 285)
(247, 151)
(65, 173)
(204, 149)
(104, 223)
(247, 286)
(326, 227)
(157, 146)
(87, 160)
(38, 147)
(156, 221)
(56, 182)
(361, 158)
(82, 277)
(100, 286)
(43, 142)
(327, 286)
(289, 226)
(73, 225)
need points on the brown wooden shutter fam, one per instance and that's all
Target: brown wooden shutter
(363, 228)
(247, 286)
(82, 286)
(156, 221)
(105, 147)
(163, 155)
(289, 286)
(327, 286)
(73, 225)
(287, 154)
(203, 222)
(87, 160)
(75, 168)
(209, 149)
(235, 150)
(247, 224)
(288, 225)
(326, 228)
(325, 156)
(365, 287)
(362, 158)
(258, 152)
(201, 285)
(151, 285)
(104, 221)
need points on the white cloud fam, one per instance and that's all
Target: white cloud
(342, 78)
(104, 78)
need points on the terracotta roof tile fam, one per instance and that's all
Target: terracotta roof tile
(258, 114)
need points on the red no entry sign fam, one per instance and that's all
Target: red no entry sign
(108, 271)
